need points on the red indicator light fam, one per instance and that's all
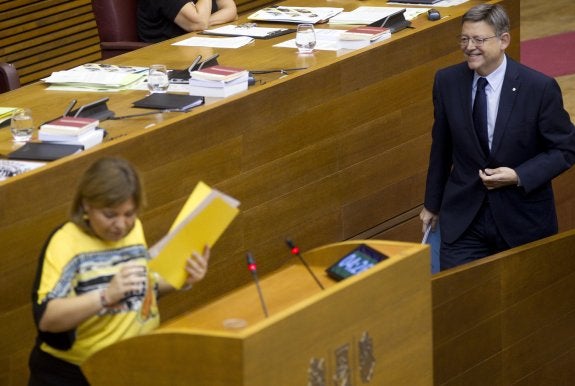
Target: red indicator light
(295, 251)
(252, 267)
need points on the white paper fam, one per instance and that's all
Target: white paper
(326, 40)
(233, 42)
(295, 14)
(10, 168)
(368, 15)
(235, 30)
(91, 78)
(443, 3)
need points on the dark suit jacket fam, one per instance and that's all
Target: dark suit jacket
(533, 135)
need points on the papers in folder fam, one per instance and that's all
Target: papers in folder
(251, 31)
(295, 14)
(368, 15)
(202, 220)
(96, 77)
(232, 42)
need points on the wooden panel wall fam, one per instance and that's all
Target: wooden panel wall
(508, 320)
(42, 36)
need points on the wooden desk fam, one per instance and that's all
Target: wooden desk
(374, 328)
(508, 319)
(334, 152)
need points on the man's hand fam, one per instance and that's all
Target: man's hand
(428, 218)
(499, 177)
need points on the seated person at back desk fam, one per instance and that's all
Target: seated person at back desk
(160, 20)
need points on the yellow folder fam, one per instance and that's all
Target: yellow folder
(202, 220)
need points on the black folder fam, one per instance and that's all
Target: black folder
(44, 151)
(172, 102)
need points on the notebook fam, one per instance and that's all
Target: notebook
(44, 151)
(173, 102)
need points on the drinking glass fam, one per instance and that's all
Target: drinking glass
(305, 38)
(22, 125)
(158, 78)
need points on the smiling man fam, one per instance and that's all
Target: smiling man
(500, 135)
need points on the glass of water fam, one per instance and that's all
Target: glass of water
(158, 78)
(305, 38)
(22, 125)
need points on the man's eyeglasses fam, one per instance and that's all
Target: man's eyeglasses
(477, 42)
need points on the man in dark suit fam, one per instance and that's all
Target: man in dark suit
(494, 152)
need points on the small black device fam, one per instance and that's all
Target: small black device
(395, 22)
(433, 14)
(96, 110)
(356, 261)
(183, 76)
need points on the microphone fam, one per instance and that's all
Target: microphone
(253, 269)
(295, 251)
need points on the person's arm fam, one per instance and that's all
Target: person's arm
(194, 17)
(196, 267)
(198, 16)
(226, 12)
(556, 134)
(64, 314)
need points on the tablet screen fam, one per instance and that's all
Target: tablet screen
(356, 261)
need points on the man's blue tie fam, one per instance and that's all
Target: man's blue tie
(480, 114)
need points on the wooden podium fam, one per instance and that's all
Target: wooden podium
(372, 328)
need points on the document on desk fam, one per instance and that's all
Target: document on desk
(11, 168)
(248, 30)
(443, 3)
(233, 42)
(295, 14)
(327, 40)
(95, 77)
(368, 15)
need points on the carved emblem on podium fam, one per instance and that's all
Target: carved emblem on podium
(316, 372)
(366, 357)
(342, 376)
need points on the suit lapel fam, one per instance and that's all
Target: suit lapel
(509, 90)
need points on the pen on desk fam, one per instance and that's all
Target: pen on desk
(69, 108)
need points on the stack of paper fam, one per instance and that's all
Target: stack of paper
(218, 81)
(367, 15)
(11, 168)
(73, 131)
(295, 14)
(248, 30)
(329, 40)
(360, 37)
(95, 77)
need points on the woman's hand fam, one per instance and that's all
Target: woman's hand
(197, 266)
(130, 279)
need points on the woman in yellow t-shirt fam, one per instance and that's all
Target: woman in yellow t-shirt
(93, 286)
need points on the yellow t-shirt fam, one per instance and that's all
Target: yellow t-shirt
(75, 263)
